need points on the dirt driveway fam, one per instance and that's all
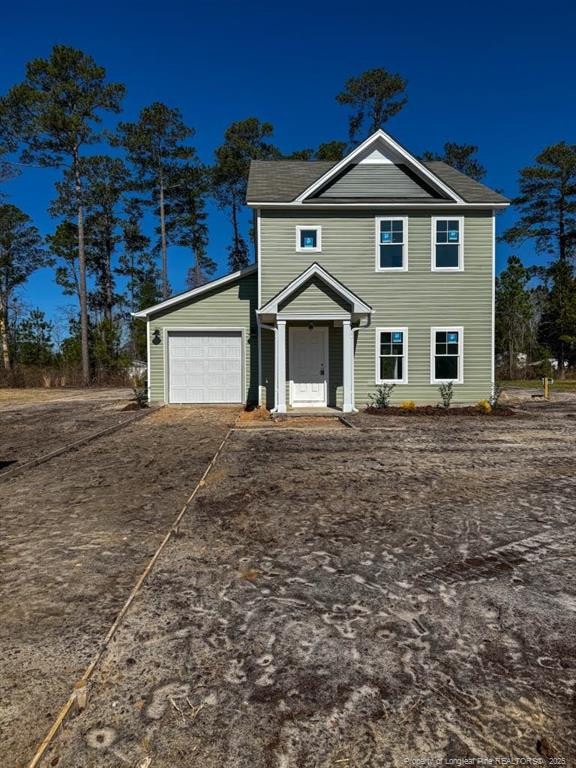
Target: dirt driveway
(75, 534)
(34, 422)
(354, 598)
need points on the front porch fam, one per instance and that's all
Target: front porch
(311, 356)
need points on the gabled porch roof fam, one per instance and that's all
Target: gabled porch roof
(318, 273)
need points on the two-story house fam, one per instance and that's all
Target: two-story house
(378, 268)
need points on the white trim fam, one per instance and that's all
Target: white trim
(382, 205)
(203, 329)
(404, 220)
(313, 316)
(391, 329)
(259, 253)
(460, 267)
(148, 365)
(318, 229)
(347, 367)
(448, 328)
(326, 332)
(377, 137)
(280, 354)
(259, 279)
(315, 270)
(195, 292)
(493, 340)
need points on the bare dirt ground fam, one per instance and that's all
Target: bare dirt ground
(356, 597)
(34, 422)
(75, 534)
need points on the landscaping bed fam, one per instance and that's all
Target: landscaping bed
(438, 411)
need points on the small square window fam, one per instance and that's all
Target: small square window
(308, 239)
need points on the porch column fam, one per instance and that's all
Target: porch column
(348, 366)
(281, 366)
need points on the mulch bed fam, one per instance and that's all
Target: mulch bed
(440, 412)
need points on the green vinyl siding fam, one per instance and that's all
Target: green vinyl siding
(231, 305)
(417, 299)
(314, 297)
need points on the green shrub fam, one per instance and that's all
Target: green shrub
(381, 398)
(446, 393)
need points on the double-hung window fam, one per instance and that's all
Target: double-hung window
(391, 355)
(391, 244)
(309, 239)
(447, 357)
(447, 244)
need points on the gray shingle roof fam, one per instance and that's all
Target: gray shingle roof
(469, 190)
(281, 181)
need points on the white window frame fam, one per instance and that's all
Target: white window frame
(391, 329)
(318, 230)
(448, 329)
(404, 267)
(460, 267)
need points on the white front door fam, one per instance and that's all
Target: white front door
(308, 366)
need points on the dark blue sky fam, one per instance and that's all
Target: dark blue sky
(498, 74)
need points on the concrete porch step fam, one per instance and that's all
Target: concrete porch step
(295, 413)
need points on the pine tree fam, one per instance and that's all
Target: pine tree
(54, 112)
(137, 264)
(513, 312)
(547, 208)
(187, 220)
(374, 97)
(21, 254)
(244, 141)
(155, 146)
(461, 157)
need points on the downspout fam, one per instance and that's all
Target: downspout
(268, 328)
(355, 330)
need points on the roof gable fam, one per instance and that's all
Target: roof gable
(377, 181)
(317, 275)
(382, 149)
(387, 173)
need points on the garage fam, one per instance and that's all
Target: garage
(205, 366)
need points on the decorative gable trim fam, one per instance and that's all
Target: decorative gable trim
(366, 150)
(315, 270)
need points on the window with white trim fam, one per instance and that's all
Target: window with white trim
(309, 239)
(446, 355)
(391, 234)
(447, 244)
(391, 355)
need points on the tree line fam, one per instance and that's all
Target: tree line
(149, 170)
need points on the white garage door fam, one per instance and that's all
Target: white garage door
(205, 366)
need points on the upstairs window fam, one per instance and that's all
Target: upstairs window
(309, 239)
(391, 244)
(447, 244)
(446, 355)
(391, 355)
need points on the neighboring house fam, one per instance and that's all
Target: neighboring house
(375, 269)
